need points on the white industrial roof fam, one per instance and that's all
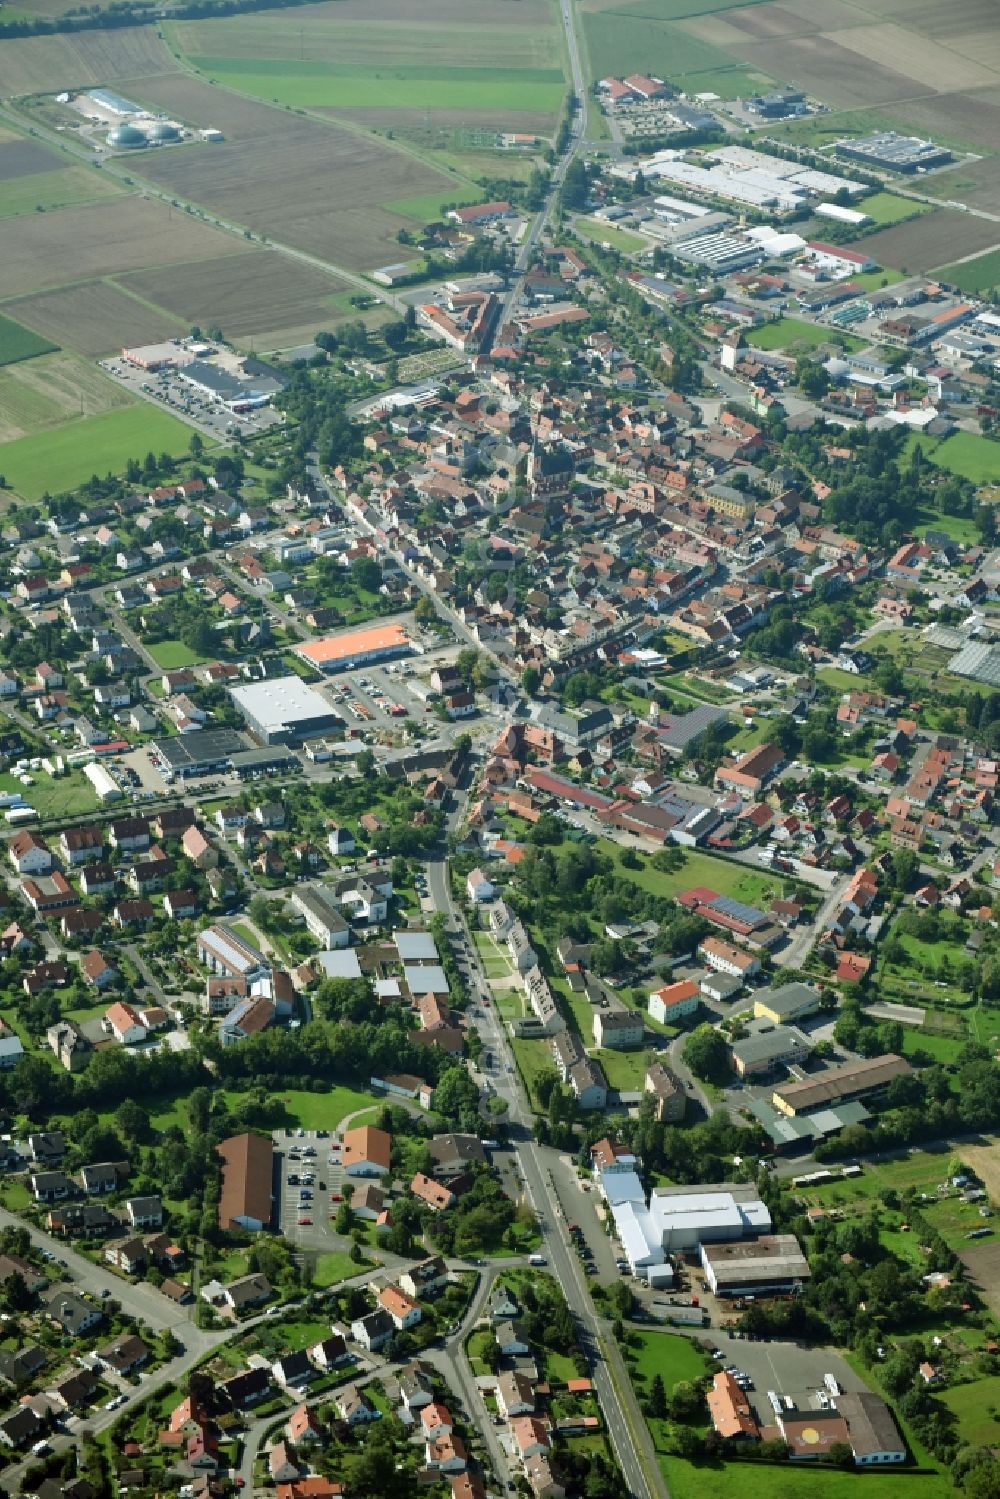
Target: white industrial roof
(622, 1186)
(699, 1212)
(637, 1232)
(415, 947)
(281, 701)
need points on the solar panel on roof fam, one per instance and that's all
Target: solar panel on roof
(749, 915)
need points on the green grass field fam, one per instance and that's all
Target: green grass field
(331, 86)
(765, 1481)
(974, 1407)
(981, 275)
(331, 1269)
(18, 343)
(64, 457)
(324, 1110)
(41, 192)
(61, 796)
(618, 239)
(171, 655)
(969, 455)
(887, 208)
(679, 10)
(425, 207)
(671, 1355)
(792, 333)
(720, 875)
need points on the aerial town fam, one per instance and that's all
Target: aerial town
(499, 752)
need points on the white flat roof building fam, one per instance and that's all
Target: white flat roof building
(685, 1218)
(283, 710)
(622, 1186)
(637, 1232)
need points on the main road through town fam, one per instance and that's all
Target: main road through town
(626, 1427)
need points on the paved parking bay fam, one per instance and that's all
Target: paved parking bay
(307, 1156)
(783, 1367)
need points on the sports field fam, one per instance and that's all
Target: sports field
(792, 333)
(63, 457)
(969, 455)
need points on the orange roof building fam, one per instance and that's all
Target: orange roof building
(366, 1151)
(730, 1409)
(356, 648)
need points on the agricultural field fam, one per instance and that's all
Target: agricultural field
(18, 343)
(253, 292)
(619, 42)
(925, 243)
(979, 276)
(377, 63)
(318, 187)
(96, 318)
(47, 190)
(973, 182)
(46, 64)
(50, 390)
(63, 457)
(126, 233)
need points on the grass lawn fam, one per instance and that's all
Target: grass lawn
(618, 239)
(324, 1110)
(698, 869)
(793, 333)
(331, 1269)
(55, 796)
(980, 275)
(788, 1481)
(532, 1057)
(171, 655)
(624, 1070)
(424, 207)
(62, 458)
(40, 192)
(18, 342)
(15, 1196)
(673, 1357)
(886, 208)
(967, 454)
(974, 1407)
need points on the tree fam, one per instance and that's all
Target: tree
(531, 680)
(841, 1455)
(395, 335)
(657, 1404)
(706, 1052)
(366, 574)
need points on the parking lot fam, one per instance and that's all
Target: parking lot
(309, 1178)
(169, 391)
(783, 1367)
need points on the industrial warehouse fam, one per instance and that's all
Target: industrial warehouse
(285, 710)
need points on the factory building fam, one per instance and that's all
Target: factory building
(686, 1217)
(766, 1266)
(284, 710)
(895, 153)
